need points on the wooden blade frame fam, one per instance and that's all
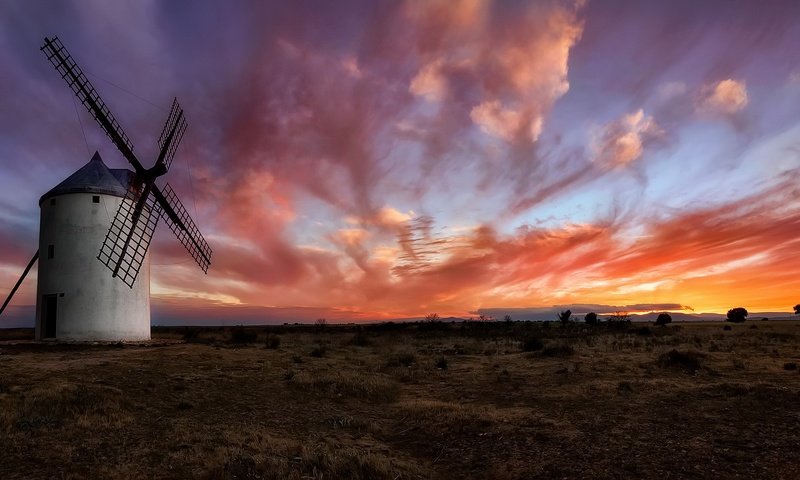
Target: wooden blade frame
(171, 135)
(185, 229)
(86, 93)
(126, 243)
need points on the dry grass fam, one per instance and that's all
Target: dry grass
(399, 401)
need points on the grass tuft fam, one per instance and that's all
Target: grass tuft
(689, 361)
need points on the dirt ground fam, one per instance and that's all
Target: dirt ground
(465, 400)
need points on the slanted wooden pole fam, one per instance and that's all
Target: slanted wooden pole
(19, 282)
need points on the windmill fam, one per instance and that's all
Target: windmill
(98, 308)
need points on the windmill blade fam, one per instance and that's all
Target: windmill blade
(183, 226)
(86, 93)
(171, 135)
(126, 243)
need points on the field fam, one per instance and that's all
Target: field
(395, 401)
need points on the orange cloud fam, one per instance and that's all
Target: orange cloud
(725, 97)
(506, 65)
(622, 141)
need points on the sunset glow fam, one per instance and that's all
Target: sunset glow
(382, 160)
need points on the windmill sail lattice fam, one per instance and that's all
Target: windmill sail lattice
(171, 135)
(86, 93)
(186, 230)
(126, 243)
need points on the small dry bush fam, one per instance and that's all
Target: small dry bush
(440, 363)
(272, 342)
(265, 457)
(558, 350)
(532, 344)
(403, 358)
(319, 351)
(444, 418)
(689, 361)
(82, 405)
(372, 387)
(241, 336)
(359, 339)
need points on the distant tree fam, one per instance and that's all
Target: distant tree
(507, 318)
(737, 315)
(590, 318)
(321, 322)
(432, 317)
(797, 309)
(564, 316)
(619, 317)
(663, 319)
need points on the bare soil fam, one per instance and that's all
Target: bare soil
(407, 401)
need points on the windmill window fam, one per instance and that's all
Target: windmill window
(51, 251)
(95, 198)
(52, 201)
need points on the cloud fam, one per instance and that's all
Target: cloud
(429, 82)
(503, 65)
(623, 141)
(726, 97)
(505, 123)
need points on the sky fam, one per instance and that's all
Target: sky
(373, 160)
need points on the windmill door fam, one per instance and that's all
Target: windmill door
(49, 316)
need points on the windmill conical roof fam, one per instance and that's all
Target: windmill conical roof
(94, 177)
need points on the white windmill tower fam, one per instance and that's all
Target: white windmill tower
(77, 298)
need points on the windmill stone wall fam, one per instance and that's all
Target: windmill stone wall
(90, 304)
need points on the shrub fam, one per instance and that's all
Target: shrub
(319, 351)
(619, 317)
(590, 318)
(689, 361)
(737, 315)
(405, 359)
(532, 344)
(643, 331)
(727, 328)
(359, 339)
(663, 319)
(191, 335)
(564, 317)
(241, 335)
(558, 350)
(441, 363)
(272, 342)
